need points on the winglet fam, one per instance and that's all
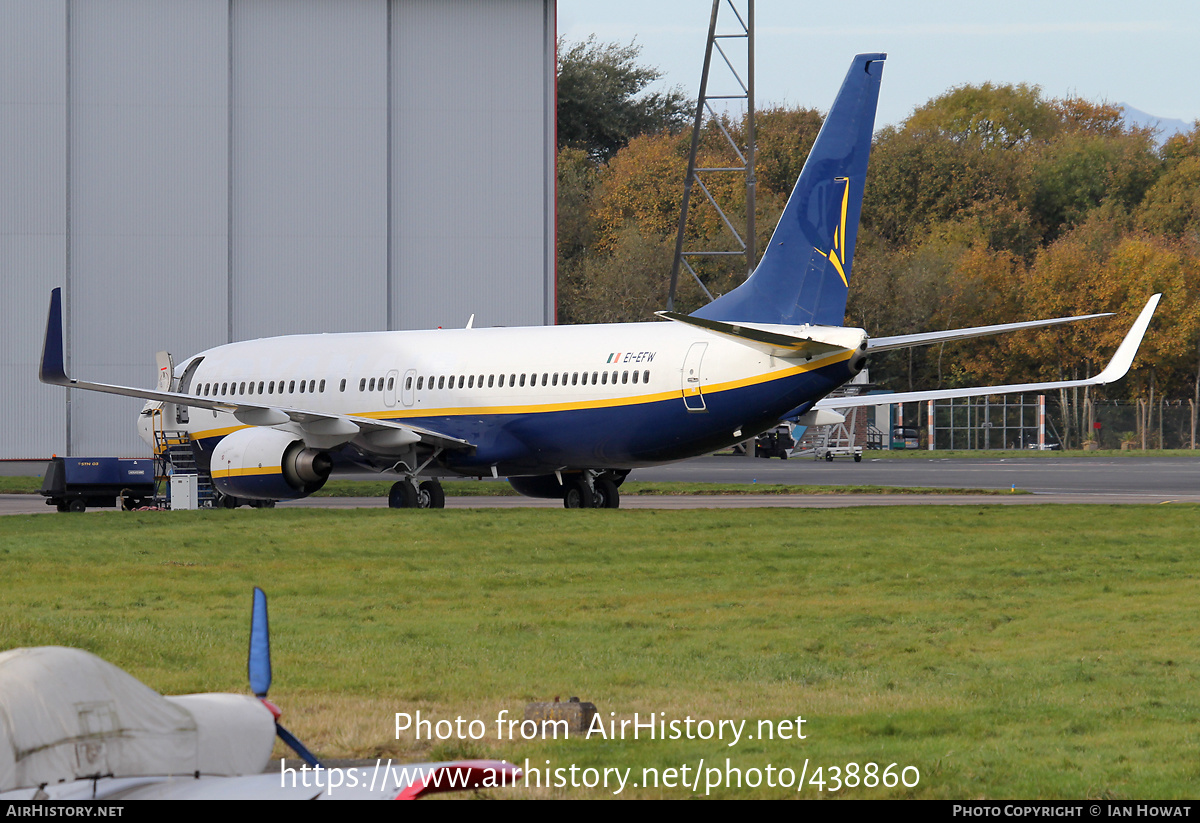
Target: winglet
(53, 369)
(1118, 367)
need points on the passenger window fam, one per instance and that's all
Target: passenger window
(442, 382)
(260, 386)
(545, 378)
(595, 377)
(271, 387)
(614, 378)
(635, 377)
(343, 385)
(491, 379)
(646, 376)
(471, 382)
(625, 377)
(461, 381)
(554, 382)
(408, 383)
(302, 384)
(575, 379)
(420, 381)
(322, 387)
(522, 380)
(604, 378)
(380, 384)
(312, 386)
(512, 380)
(362, 384)
(391, 382)
(291, 387)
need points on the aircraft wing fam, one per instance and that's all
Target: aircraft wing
(1117, 368)
(53, 371)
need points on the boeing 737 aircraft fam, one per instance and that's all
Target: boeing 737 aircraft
(562, 411)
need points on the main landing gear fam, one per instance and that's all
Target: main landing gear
(591, 490)
(407, 494)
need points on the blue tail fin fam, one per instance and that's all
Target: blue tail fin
(804, 274)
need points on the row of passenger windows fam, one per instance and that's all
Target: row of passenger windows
(263, 387)
(469, 381)
(443, 382)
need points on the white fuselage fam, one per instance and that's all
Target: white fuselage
(511, 390)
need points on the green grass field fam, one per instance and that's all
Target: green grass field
(1041, 651)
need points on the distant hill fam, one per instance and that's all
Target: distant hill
(1166, 127)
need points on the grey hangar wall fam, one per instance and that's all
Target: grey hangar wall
(196, 172)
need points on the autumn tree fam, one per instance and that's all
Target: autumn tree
(603, 102)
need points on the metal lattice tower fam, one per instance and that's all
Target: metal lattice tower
(745, 242)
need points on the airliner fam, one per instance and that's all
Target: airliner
(561, 411)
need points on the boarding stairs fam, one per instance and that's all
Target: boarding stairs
(174, 454)
(840, 439)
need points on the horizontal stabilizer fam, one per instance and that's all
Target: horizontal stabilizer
(1117, 368)
(905, 341)
(802, 342)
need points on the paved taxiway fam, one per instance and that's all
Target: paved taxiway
(1043, 475)
(1094, 480)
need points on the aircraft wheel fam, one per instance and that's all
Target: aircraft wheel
(578, 496)
(430, 495)
(858, 458)
(607, 496)
(63, 506)
(262, 504)
(828, 457)
(403, 495)
(77, 505)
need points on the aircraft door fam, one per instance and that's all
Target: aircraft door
(185, 387)
(693, 398)
(389, 393)
(406, 393)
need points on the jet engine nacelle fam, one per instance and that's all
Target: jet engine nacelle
(268, 464)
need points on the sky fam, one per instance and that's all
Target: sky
(1142, 54)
